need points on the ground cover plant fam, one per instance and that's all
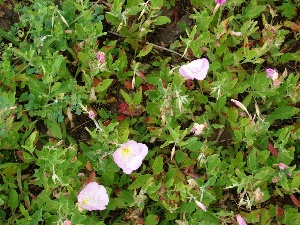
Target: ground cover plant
(150, 112)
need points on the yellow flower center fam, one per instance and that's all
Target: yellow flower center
(86, 201)
(126, 151)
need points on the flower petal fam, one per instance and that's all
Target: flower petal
(130, 155)
(196, 69)
(240, 220)
(93, 197)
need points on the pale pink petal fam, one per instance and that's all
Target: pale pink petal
(240, 220)
(130, 155)
(196, 69)
(67, 222)
(136, 161)
(198, 128)
(272, 73)
(93, 197)
(101, 56)
(276, 82)
(282, 166)
(200, 205)
(185, 72)
(91, 114)
(127, 170)
(200, 68)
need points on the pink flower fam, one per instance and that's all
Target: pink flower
(196, 69)
(67, 222)
(129, 156)
(101, 56)
(198, 128)
(271, 73)
(240, 220)
(220, 2)
(200, 205)
(93, 197)
(91, 114)
(276, 83)
(282, 166)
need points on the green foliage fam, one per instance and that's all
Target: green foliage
(245, 159)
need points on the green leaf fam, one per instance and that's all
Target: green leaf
(124, 198)
(151, 220)
(57, 63)
(156, 4)
(193, 144)
(36, 87)
(134, 43)
(286, 156)
(140, 181)
(56, 86)
(158, 165)
(296, 181)
(238, 134)
(161, 20)
(13, 200)
(133, 3)
(105, 84)
(117, 5)
(252, 161)
(134, 10)
(169, 183)
(1, 200)
(263, 156)
(250, 13)
(24, 212)
(213, 164)
(108, 178)
(145, 50)
(284, 112)
(220, 104)
(174, 134)
(137, 97)
(263, 175)
(180, 156)
(54, 128)
(188, 162)
(288, 10)
(126, 97)
(294, 56)
(66, 86)
(29, 143)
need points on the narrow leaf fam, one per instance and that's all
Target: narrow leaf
(126, 97)
(13, 200)
(138, 97)
(145, 50)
